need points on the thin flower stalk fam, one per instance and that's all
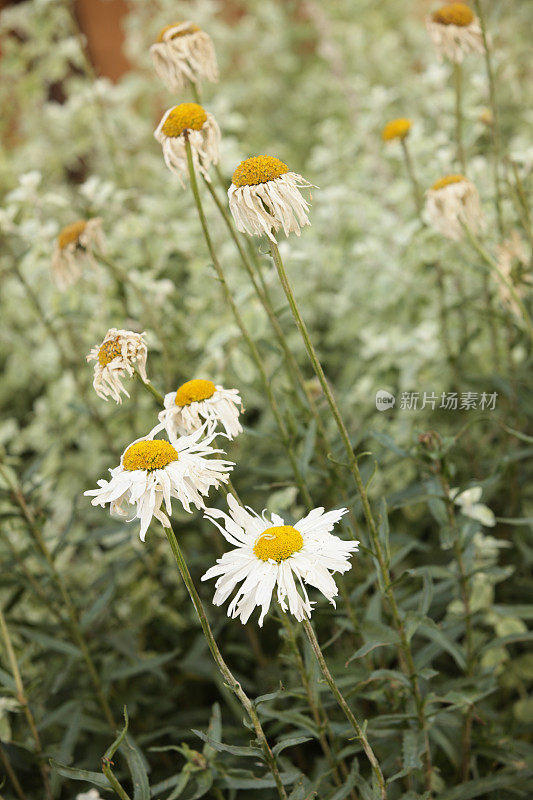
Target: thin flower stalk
(23, 700)
(242, 327)
(458, 85)
(406, 657)
(11, 774)
(417, 192)
(229, 679)
(345, 708)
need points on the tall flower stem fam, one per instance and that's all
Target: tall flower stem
(23, 700)
(229, 679)
(345, 708)
(458, 85)
(495, 127)
(406, 656)
(244, 331)
(74, 625)
(11, 774)
(417, 193)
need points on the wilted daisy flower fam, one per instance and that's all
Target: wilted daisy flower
(116, 356)
(452, 201)
(396, 129)
(194, 122)
(74, 249)
(199, 401)
(153, 471)
(514, 266)
(455, 31)
(182, 53)
(269, 554)
(264, 196)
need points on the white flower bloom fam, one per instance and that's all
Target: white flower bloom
(269, 554)
(451, 202)
(468, 502)
(514, 264)
(183, 53)
(194, 122)
(153, 471)
(198, 401)
(115, 357)
(455, 31)
(92, 794)
(74, 250)
(264, 197)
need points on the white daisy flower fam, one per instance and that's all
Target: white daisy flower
(468, 502)
(194, 122)
(115, 357)
(153, 471)
(455, 31)
(451, 202)
(198, 401)
(182, 53)
(74, 250)
(265, 196)
(269, 554)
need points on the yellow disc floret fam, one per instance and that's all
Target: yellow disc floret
(278, 543)
(447, 180)
(258, 169)
(454, 14)
(183, 117)
(182, 32)
(193, 391)
(396, 129)
(71, 233)
(108, 351)
(149, 455)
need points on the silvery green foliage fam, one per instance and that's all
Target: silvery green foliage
(312, 83)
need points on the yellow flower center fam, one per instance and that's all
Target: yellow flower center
(454, 14)
(71, 233)
(278, 543)
(182, 117)
(396, 129)
(258, 169)
(447, 180)
(108, 351)
(183, 32)
(195, 390)
(149, 455)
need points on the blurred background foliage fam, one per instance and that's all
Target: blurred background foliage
(391, 305)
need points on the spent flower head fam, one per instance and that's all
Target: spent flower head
(188, 121)
(265, 196)
(199, 401)
(184, 53)
(271, 555)
(455, 31)
(119, 354)
(451, 203)
(74, 250)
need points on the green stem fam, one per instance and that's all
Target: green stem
(458, 82)
(244, 331)
(23, 700)
(117, 788)
(229, 679)
(151, 389)
(10, 772)
(348, 713)
(417, 192)
(408, 662)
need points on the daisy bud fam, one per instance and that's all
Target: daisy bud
(183, 53)
(74, 250)
(455, 32)
(189, 121)
(116, 357)
(452, 202)
(197, 402)
(265, 196)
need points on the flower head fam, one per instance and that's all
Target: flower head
(452, 202)
(183, 53)
(265, 196)
(396, 129)
(468, 502)
(74, 250)
(455, 31)
(188, 121)
(153, 471)
(116, 356)
(199, 401)
(269, 554)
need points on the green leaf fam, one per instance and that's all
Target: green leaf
(141, 787)
(236, 750)
(482, 786)
(113, 747)
(95, 778)
(290, 742)
(376, 635)
(437, 635)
